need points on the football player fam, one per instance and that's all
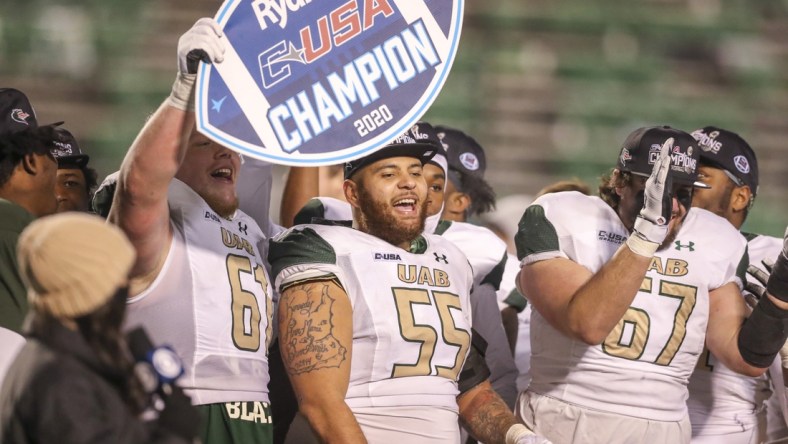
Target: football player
(199, 282)
(374, 318)
(724, 406)
(625, 290)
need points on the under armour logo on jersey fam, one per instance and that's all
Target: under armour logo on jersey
(439, 258)
(690, 245)
(242, 227)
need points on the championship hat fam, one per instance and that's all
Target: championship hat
(463, 152)
(66, 150)
(727, 151)
(16, 112)
(419, 141)
(641, 149)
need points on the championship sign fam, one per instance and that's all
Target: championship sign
(315, 82)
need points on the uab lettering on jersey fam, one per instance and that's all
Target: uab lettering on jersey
(232, 240)
(630, 337)
(424, 276)
(443, 303)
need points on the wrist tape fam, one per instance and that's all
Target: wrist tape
(182, 94)
(641, 246)
(515, 432)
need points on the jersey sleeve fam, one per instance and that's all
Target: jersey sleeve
(301, 254)
(537, 238)
(312, 209)
(326, 208)
(496, 274)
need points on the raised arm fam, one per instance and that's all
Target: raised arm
(140, 203)
(302, 184)
(580, 304)
(587, 306)
(315, 339)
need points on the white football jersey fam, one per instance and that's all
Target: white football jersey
(411, 313)
(643, 366)
(720, 400)
(508, 296)
(211, 302)
(487, 255)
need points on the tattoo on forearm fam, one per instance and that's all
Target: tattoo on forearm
(489, 419)
(308, 342)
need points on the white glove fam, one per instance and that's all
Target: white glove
(204, 41)
(520, 434)
(651, 225)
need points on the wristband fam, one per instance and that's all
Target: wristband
(182, 94)
(515, 432)
(641, 246)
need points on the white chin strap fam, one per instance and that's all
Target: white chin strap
(432, 221)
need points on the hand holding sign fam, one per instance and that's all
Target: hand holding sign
(202, 42)
(310, 83)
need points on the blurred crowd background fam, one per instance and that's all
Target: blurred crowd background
(549, 88)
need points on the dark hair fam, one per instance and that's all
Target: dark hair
(91, 179)
(565, 185)
(608, 184)
(101, 330)
(15, 146)
(481, 193)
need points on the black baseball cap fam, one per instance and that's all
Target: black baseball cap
(66, 150)
(16, 112)
(463, 152)
(641, 149)
(727, 151)
(419, 141)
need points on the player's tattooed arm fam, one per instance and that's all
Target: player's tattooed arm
(306, 319)
(484, 414)
(315, 338)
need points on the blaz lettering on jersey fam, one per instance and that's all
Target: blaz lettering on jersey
(611, 237)
(240, 410)
(671, 267)
(212, 216)
(232, 240)
(421, 275)
(690, 245)
(387, 257)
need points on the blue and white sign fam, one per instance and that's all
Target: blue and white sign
(315, 82)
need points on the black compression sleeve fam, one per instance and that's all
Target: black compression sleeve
(763, 334)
